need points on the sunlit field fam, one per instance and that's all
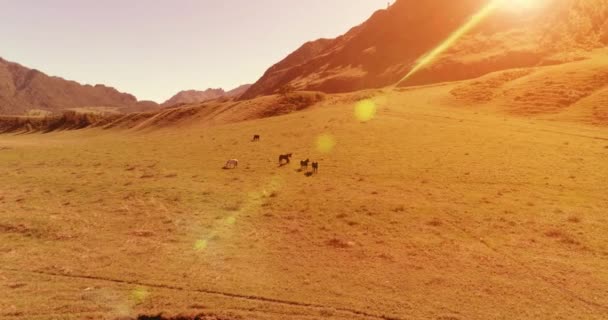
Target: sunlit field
(443, 160)
(420, 210)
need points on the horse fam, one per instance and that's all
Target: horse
(232, 164)
(304, 164)
(285, 157)
(315, 167)
(256, 138)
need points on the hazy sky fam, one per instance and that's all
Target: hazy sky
(155, 48)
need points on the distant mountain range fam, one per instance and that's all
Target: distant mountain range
(193, 96)
(382, 50)
(26, 91)
(23, 89)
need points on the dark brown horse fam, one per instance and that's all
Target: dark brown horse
(256, 138)
(304, 164)
(285, 157)
(315, 167)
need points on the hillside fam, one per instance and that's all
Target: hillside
(382, 50)
(238, 91)
(574, 92)
(213, 112)
(23, 89)
(194, 96)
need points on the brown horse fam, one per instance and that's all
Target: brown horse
(304, 164)
(232, 164)
(256, 138)
(285, 157)
(315, 167)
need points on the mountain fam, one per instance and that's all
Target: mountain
(382, 50)
(23, 89)
(194, 96)
(238, 91)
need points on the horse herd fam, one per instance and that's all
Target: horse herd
(284, 159)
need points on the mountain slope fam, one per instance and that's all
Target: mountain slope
(194, 96)
(23, 89)
(386, 47)
(575, 91)
(238, 91)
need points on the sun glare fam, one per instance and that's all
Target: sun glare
(430, 57)
(520, 5)
(476, 19)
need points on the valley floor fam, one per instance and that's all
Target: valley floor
(428, 211)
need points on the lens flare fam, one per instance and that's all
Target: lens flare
(200, 245)
(231, 220)
(140, 295)
(253, 203)
(325, 143)
(429, 58)
(365, 110)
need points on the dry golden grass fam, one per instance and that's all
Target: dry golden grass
(428, 211)
(573, 91)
